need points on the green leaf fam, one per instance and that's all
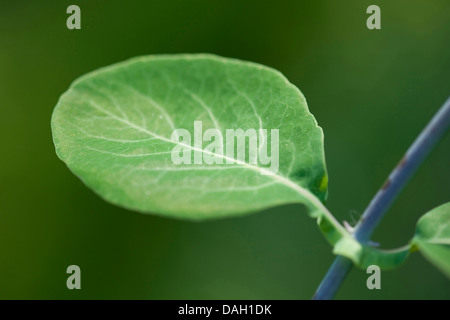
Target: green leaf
(433, 237)
(364, 255)
(113, 129)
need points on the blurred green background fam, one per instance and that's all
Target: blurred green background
(372, 91)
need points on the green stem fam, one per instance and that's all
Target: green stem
(384, 198)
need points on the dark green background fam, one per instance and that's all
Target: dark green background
(371, 91)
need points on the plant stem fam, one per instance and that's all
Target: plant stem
(384, 198)
(335, 276)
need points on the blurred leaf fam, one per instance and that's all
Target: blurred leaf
(433, 237)
(113, 129)
(365, 255)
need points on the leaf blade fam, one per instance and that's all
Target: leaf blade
(433, 237)
(143, 100)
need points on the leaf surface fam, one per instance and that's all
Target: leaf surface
(114, 130)
(432, 237)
